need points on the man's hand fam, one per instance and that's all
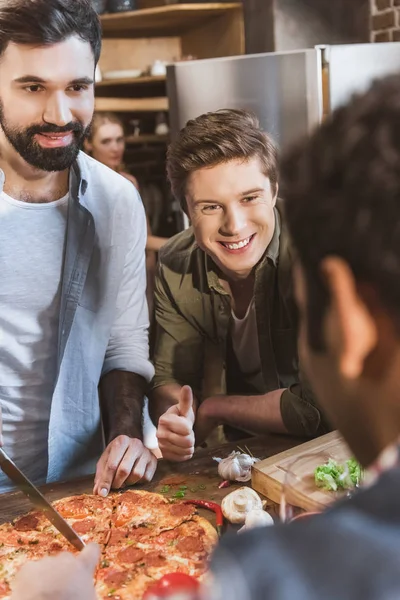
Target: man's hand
(205, 420)
(125, 461)
(63, 577)
(175, 428)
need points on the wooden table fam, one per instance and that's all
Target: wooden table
(199, 475)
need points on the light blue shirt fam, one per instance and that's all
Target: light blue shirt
(103, 316)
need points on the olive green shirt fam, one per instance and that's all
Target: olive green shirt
(193, 312)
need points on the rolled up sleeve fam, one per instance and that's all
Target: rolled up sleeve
(300, 412)
(128, 347)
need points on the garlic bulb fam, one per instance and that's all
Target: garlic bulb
(256, 518)
(236, 466)
(236, 505)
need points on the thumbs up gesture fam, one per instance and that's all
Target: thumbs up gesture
(175, 428)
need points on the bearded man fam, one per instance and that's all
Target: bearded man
(73, 310)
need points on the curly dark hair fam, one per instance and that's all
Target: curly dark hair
(215, 138)
(47, 22)
(342, 196)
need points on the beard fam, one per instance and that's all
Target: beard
(46, 159)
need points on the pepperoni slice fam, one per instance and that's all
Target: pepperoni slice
(130, 555)
(26, 523)
(115, 578)
(168, 536)
(56, 547)
(155, 559)
(130, 498)
(139, 533)
(190, 544)
(84, 526)
(182, 510)
(117, 536)
(73, 508)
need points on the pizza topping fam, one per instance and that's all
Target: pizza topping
(131, 498)
(73, 508)
(26, 523)
(117, 536)
(138, 534)
(182, 510)
(154, 559)
(190, 544)
(130, 555)
(55, 547)
(84, 526)
(168, 536)
(116, 578)
(216, 508)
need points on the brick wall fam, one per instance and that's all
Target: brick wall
(385, 20)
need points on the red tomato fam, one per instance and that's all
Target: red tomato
(171, 583)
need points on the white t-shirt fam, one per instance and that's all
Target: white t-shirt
(244, 337)
(32, 244)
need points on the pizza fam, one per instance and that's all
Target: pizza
(143, 537)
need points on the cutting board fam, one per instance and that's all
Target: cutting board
(269, 475)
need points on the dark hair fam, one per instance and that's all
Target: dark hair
(46, 22)
(342, 195)
(215, 138)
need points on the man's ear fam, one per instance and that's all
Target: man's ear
(350, 329)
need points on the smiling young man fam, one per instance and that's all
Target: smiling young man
(342, 190)
(226, 331)
(72, 265)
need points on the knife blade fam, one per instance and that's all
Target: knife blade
(38, 500)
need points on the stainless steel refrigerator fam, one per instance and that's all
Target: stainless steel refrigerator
(289, 91)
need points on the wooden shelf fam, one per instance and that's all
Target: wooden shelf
(131, 104)
(167, 20)
(133, 81)
(133, 140)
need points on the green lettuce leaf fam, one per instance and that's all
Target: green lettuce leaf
(333, 476)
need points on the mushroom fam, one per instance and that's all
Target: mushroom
(256, 518)
(236, 505)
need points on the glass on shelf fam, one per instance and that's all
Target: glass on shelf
(121, 5)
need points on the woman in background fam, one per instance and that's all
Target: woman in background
(106, 143)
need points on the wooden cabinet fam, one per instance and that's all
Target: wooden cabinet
(134, 41)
